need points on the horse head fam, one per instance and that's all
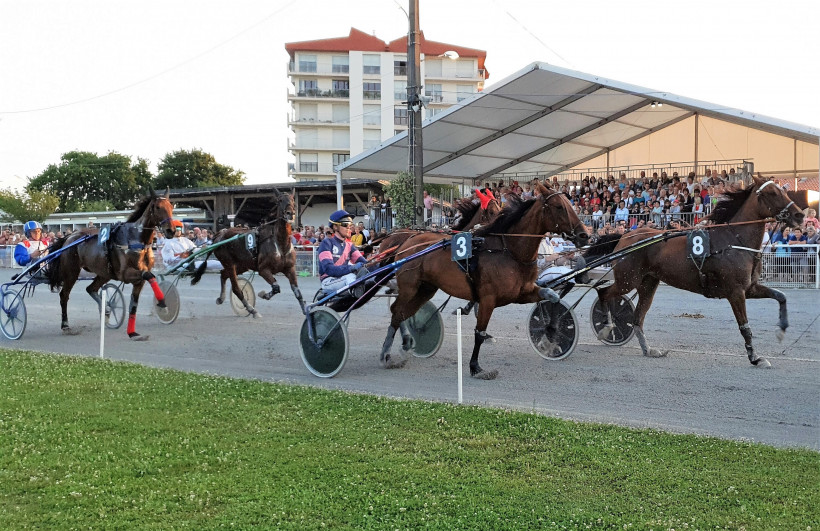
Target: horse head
(774, 202)
(560, 216)
(160, 213)
(284, 208)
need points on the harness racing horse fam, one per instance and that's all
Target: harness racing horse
(126, 256)
(273, 253)
(731, 270)
(502, 270)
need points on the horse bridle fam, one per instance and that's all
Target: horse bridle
(783, 215)
(546, 199)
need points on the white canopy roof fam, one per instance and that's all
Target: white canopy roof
(546, 119)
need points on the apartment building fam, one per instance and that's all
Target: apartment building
(347, 93)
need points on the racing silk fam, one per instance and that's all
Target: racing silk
(24, 250)
(336, 256)
(174, 247)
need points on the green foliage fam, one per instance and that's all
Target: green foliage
(97, 444)
(401, 191)
(83, 177)
(98, 206)
(442, 190)
(194, 169)
(34, 205)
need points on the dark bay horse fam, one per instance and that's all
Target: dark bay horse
(503, 269)
(273, 253)
(732, 270)
(126, 256)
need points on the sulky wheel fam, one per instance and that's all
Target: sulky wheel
(325, 354)
(623, 314)
(13, 314)
(247, 291)
(114, 306)
(427, 328)
(552, 329)
(170, 313)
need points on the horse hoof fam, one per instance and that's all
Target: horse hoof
(256, 315)
(137, 337)
(394, 363)
(604, 332)
(489, 339)
(219, 300)
(68, 331)
(781, 334)
(161, 304)
(264, 295)
(762, 363)
(486, 375)
(655, 353)
(408, 344)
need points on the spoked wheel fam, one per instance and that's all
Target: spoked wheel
(623, 315)
(325, 355)
(170, 313)
(247, 291)
(427, 328)
(114, 306)
(553, 329)
(13, 314)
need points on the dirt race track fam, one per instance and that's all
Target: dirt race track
(705, 385)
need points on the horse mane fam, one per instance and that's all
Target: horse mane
(139, 210)
(728, 205)
(467, 208)
(509, 216)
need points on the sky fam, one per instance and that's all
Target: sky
(147, 78)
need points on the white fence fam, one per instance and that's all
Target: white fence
(793, 270)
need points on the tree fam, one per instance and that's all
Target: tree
(22, 207)
(82, 180)
(402, 195)
(194, 169)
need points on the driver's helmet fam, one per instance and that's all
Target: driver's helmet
(341, 217)
(30, 226)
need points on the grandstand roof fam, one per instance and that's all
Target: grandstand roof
(547, 119)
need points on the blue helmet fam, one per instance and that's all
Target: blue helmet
(341, 216)
(30, 226)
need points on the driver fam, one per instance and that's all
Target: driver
(177, 248)
(32, 248)
(339, 259)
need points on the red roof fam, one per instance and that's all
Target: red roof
(361, 41)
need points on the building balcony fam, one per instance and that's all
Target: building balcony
(314, 122)
(476, 75)
(297, 69)
(321, 94)
(317, 146)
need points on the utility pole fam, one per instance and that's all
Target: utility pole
(414, 106)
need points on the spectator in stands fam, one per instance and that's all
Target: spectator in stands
(697, 210)
(780, 242)
(428, 209)
(621, 213)
(200, 237)
(357, 238)
(811, 218)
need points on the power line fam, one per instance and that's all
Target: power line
(158, 74)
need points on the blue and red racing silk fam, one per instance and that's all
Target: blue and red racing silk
(336, 257)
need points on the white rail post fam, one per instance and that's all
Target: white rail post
(102, 323)
(458, 335)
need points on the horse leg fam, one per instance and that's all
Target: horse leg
(65, 292)
(223, 276)
(267, 275)
(738, 303)
(93, 290)
(646, 293)
(294, 286)
(604, 296)
(759, 291)
(132, 312)
(402, 308)
(485, 311)
(238, 292)
(466, 309)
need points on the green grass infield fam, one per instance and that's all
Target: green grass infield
(96, 444)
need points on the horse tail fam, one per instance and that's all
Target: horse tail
(53, 269)
(605, 245)
(200, 270)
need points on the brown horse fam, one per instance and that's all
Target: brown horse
(273, 253)
(126, 256)
(732, 270)
(502, 271)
